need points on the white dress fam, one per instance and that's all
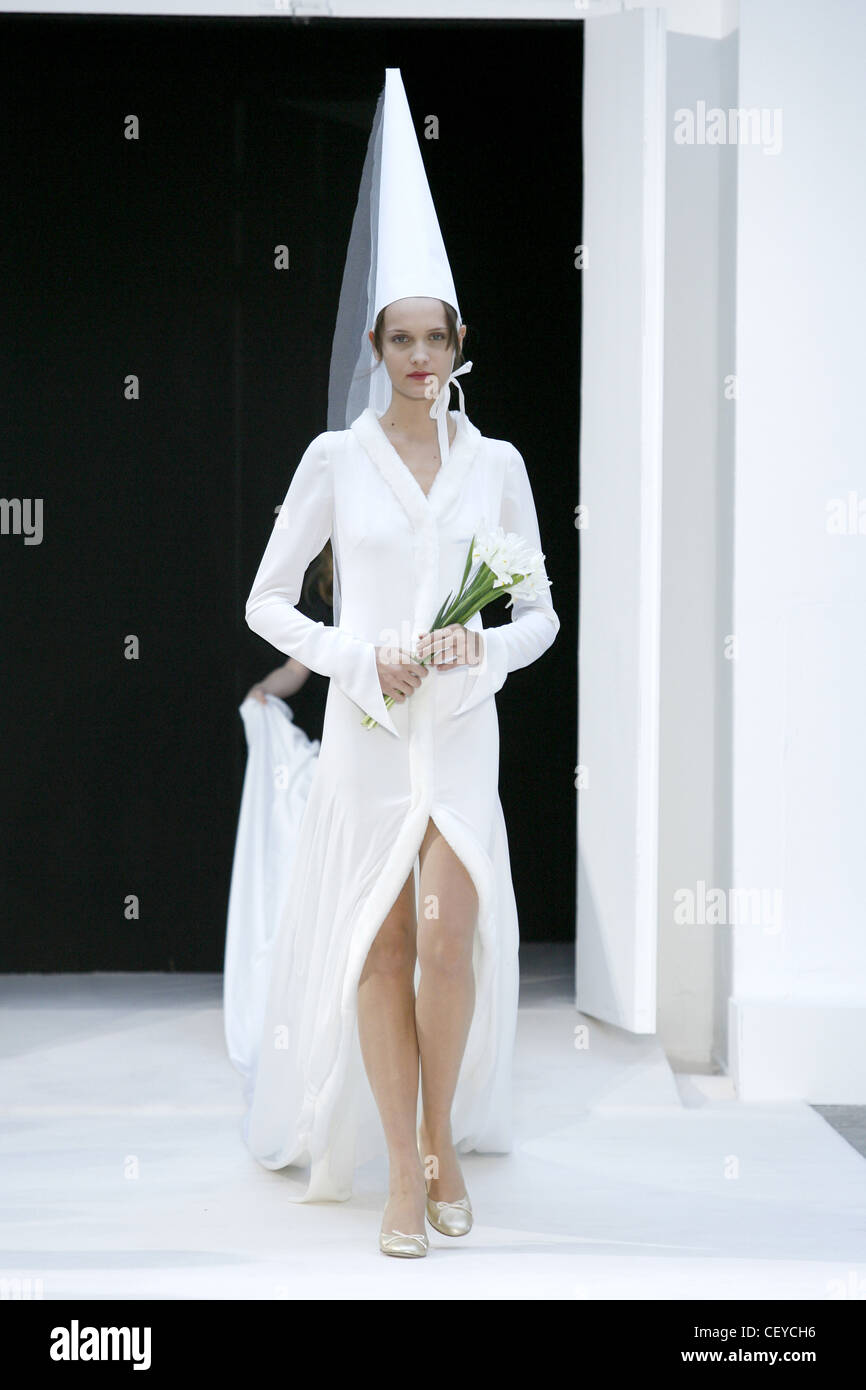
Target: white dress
(397, 554)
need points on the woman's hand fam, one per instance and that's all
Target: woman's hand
(398, 673)
(454, 645)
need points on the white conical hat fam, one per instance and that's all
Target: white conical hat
(395, 252)
(410, 254)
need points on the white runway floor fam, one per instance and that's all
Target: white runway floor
(125, 1175)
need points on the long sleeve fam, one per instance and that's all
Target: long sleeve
(303, 525)
(533, 625)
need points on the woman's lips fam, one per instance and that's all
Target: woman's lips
(422, 376)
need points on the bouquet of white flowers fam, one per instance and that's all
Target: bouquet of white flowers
(506, 564)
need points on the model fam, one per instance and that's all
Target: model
(396, 956)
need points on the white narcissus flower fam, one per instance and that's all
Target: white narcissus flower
(520, 558)
(530, 587)
(534, 581)
(489, 547)
(507, 555)
(497, 551)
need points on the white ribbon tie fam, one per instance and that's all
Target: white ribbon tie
(439, 409)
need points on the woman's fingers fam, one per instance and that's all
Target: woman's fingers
(409, 674)
(399, 672)
(447, 646)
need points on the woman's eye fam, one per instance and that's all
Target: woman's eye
(401, 337)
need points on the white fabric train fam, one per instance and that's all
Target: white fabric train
(281, 760)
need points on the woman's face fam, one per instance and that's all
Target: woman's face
(415, 347)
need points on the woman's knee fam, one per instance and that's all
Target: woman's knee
(445, 945)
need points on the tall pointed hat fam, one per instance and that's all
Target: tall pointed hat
(395, 252)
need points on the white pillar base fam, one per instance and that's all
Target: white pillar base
(797, 1050)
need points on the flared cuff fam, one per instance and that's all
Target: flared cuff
(506, 649)
(358, 677)
(347, 660)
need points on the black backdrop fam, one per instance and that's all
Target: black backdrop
(155, 258)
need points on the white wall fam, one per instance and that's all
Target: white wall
(799, 680)
(762, 756)
(694, 839)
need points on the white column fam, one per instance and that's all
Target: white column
(797, 1013)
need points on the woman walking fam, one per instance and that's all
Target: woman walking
(396, 960)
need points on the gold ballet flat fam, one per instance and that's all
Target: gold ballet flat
(450, 1218)
(406, 1246)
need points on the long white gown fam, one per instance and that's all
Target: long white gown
(397, 554)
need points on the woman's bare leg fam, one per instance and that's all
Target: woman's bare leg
(389, 1046)
(448, 908)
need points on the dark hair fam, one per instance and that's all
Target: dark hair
(321, 577)
(450, 318)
